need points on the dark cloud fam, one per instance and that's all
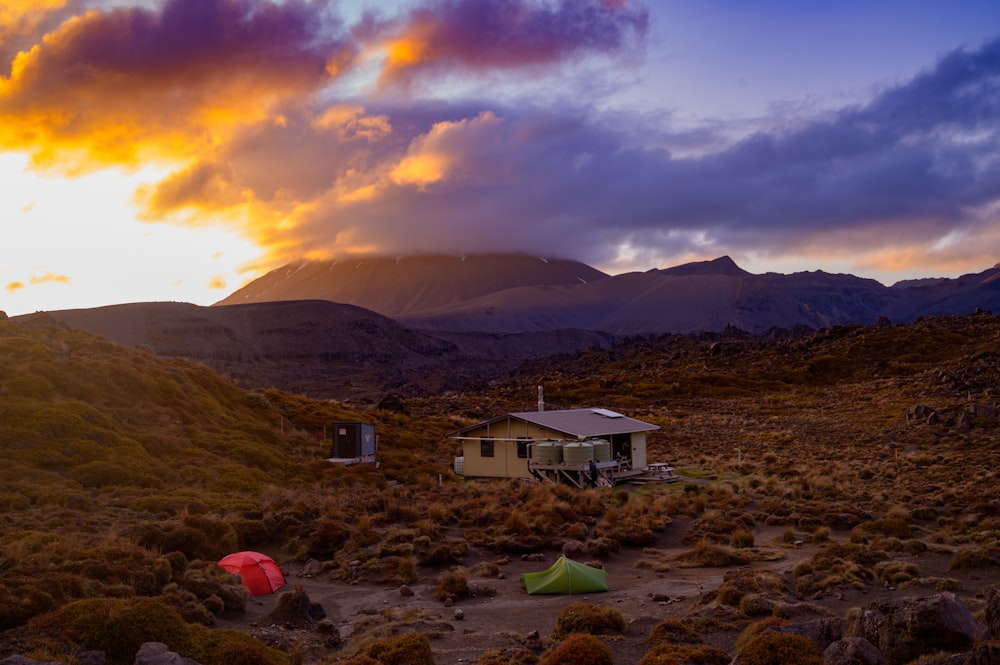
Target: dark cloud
(916, 162)
(471, 35)
(238, 93)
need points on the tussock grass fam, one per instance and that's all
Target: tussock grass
(127, 475)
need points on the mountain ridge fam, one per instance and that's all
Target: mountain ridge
(448, 340)
(503, 293)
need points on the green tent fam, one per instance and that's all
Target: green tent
(566, 576)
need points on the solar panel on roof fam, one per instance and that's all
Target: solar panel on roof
(607, 413)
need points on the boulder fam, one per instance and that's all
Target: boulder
(157, 653)
(991, 615)
(822, 631)
(295, 610)
(983, 654)
(853, 651)
(920, 413)
(24, 660)
(905, 628)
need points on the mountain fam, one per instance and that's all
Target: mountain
(500, 293)
(317, 347)
(458, 324)
(691, 298)
(400, 286)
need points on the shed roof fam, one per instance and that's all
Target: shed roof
(574, 422)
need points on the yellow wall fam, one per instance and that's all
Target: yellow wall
(505, 463)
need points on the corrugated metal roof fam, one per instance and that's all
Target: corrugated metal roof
(575, 422)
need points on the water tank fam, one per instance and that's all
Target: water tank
(602, 450)
(578, 453)
(547, 452)
(460, 466)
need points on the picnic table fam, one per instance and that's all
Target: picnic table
(663, 471)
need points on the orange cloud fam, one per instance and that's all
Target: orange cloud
(50, 277)
(439, 153)
(350, 121)
(128, 85)
(475, 36)
(47, 278)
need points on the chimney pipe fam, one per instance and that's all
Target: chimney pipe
(541, 400)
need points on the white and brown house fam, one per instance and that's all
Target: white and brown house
(507, 446)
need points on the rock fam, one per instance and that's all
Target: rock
(537, 556)
(22, 660)
(822, 631)
(92, 658)
(991, 615)
(311, 569)
(533, 635)
(459, 615)
(405, 590)
(920, 412)
(983, 654)
(295, 610)
(327, 627)
(906, 628)
(449, 601)
(157, 653)
(392, 403)
(853, 651)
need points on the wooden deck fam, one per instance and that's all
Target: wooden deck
(609, 474)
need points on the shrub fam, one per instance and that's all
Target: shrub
(685, 654)
(587, 618)
(117, 627)
(741, 538)
(893, 527)
(211, 646)
(673, 631)
(20, 602)
(406, 649)
(972, 559)
(771, 648)
(453, 584)
(579, 649)
(896, 572)
(447, 553)
(742, 582)
(708, 554)
(756, 628)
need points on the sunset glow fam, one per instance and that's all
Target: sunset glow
(176, 149)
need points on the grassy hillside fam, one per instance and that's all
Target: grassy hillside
(127, 476)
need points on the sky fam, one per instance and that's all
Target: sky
(174, 150)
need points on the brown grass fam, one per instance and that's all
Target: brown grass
(214, 467)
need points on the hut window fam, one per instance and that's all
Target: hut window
(522, 448)
(486, 447)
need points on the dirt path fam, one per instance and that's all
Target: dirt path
(505, 620)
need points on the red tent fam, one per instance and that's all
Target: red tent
(259, 572)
